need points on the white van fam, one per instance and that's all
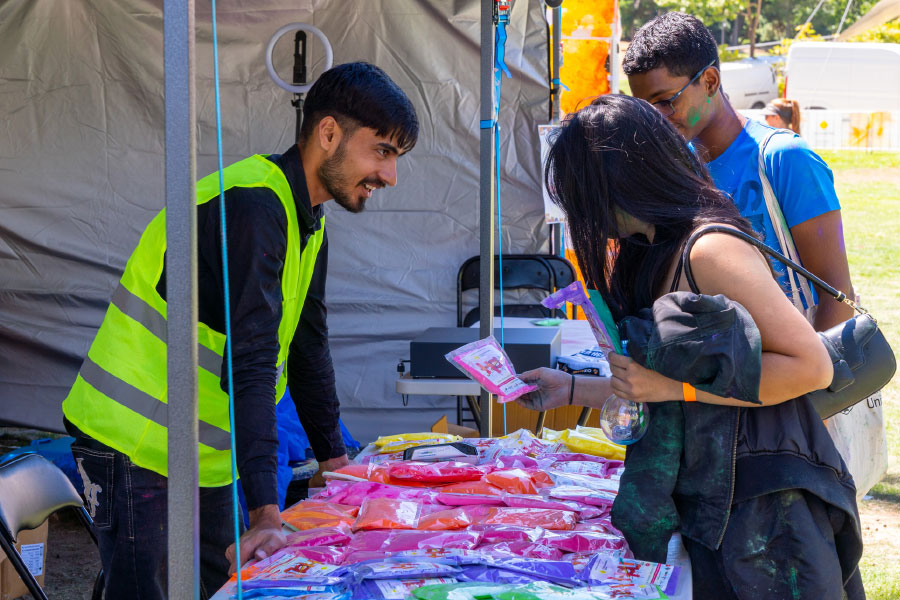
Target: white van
(851, 76)
(749, 83)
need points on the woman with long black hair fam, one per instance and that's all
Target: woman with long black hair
(763, 500)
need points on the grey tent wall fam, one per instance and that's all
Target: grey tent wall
(81, 166)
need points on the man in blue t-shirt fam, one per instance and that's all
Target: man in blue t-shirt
(673, 63)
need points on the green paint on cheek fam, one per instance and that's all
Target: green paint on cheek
(694, 115)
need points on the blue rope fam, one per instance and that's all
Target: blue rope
(499, 68)
(226, 288)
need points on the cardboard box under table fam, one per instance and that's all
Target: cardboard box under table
(32, 546)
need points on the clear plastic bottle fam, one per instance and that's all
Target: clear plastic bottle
(623, 421)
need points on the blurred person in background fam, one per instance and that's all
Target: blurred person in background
(782, 113)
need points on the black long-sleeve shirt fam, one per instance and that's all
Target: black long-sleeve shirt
(257, 245)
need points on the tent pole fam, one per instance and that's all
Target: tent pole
(181, 294)
(556, 57)
(487, 195)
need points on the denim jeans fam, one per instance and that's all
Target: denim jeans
(129, 507)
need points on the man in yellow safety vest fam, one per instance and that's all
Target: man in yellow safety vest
(356, 123)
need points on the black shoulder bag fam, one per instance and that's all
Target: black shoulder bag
(863, 361)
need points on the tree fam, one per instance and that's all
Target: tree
(711, 12)
(753, 10)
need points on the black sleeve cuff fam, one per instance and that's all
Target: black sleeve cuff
(260, 488)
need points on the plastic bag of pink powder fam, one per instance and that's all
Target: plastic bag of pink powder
(329, 555)
(356, 493)
(492, 534)
(369, 541)
(574, 293)
(523, 549)
(535, 501)
(570, 456)
(581, 467)
(583, 541)
(321, 536)
(517, 461)
(583, 495)
(487, 363)
(403, 541)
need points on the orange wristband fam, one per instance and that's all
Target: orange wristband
(689, 392)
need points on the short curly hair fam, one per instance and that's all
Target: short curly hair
(679, 42)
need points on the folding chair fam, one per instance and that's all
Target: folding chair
(543, 272)
(31, 489)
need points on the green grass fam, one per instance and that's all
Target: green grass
(870, 201)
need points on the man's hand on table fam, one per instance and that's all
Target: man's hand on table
(262, 539)
(332, 464)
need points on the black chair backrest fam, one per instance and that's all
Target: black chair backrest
(31, 489)
(565, 272)
(520, 271)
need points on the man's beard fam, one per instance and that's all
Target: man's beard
(335, 183)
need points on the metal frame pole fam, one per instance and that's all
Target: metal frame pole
(614, 50)
(556, 246)
(181, 295)
(487, 196)
(556, 57)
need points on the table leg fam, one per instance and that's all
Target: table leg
(540, 423)
(476, 410)
(584, 416)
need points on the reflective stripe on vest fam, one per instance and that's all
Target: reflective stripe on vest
(120, 395)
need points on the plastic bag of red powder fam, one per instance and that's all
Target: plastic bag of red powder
(311, 514)
(472, 487)
(513, 481)
(437, 472)
(387, 513)
(358, 472)
(443, 520)
(382, 474)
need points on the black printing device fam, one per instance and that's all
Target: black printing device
(528, 348)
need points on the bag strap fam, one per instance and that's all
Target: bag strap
(686, 262)
(799, 287)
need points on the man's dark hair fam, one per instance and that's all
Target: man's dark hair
(681, 43)
(359, 94)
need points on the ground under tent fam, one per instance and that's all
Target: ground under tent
(82, 152)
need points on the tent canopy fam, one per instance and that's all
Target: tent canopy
(81, 153)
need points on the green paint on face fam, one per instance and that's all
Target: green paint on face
(694, 114)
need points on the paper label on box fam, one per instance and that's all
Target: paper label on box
(33, 557)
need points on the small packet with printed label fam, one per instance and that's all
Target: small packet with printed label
(604, 330)
(487, 363)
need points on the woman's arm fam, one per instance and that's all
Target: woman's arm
(794, 360)
(554, 387)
